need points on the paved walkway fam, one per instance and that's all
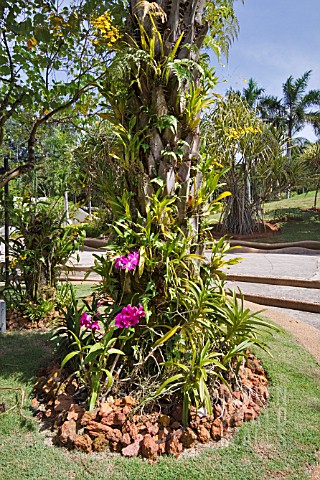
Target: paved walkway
(298, 268)
(273, 267)
(260, 264)
(277, 265)
(307, 335)
(264, 267)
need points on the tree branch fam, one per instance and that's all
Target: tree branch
(15, 172)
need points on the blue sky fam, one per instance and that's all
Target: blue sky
(277, 38)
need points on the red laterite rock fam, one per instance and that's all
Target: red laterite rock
(133, 449)
(83, 443)
(149, 447)
(188, 438)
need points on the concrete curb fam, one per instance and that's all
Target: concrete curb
(80, 280)
(308, 244)
(285, 281)
(281, 302)
(312, 245)
(95, 243)
(286, 250)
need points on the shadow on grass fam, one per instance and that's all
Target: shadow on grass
(22, 354)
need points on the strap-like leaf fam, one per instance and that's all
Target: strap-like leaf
(68, 357)
(168, 335)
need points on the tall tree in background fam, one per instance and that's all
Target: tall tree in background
(295, 109)
(311, 161)
(252, 93)
(238, 139)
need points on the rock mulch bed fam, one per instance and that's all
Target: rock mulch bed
(115, 425)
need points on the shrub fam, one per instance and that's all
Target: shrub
(39, 247)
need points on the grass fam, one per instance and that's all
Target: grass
(83, 291)
(299, 225)
(280, 445)
(296, 223)
(303, 200)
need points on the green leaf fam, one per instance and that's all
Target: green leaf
(116, 351)
(68, 357)
(94, 352)
(132, 123)
(23, 27)
(95, 387)
(142, 254)
(3, 60)
(222, 195)
(5, 70)
(109, 375)
(43, 35)
(168, 335)
(170, 380)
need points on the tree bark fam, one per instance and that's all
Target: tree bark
(158, 97)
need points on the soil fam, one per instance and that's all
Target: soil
(312, 209)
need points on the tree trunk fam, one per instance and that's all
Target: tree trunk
(173, 149)
(66, 206)
(316, 196)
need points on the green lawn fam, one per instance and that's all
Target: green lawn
(296, 223)
(299, 225)
(304, 200)
(281, 444)
(83, 291)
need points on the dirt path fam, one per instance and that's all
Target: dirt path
(308, 336)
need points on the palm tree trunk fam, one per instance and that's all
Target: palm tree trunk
(172, 152)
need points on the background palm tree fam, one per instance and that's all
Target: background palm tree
(296, 108)
(252, 93)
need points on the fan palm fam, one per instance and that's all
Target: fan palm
(296, 108)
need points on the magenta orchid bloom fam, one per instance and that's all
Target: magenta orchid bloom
(133, 260)
(119, 263)
(95, 325)
(87, 321)
(127, 263)
(129, 316)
